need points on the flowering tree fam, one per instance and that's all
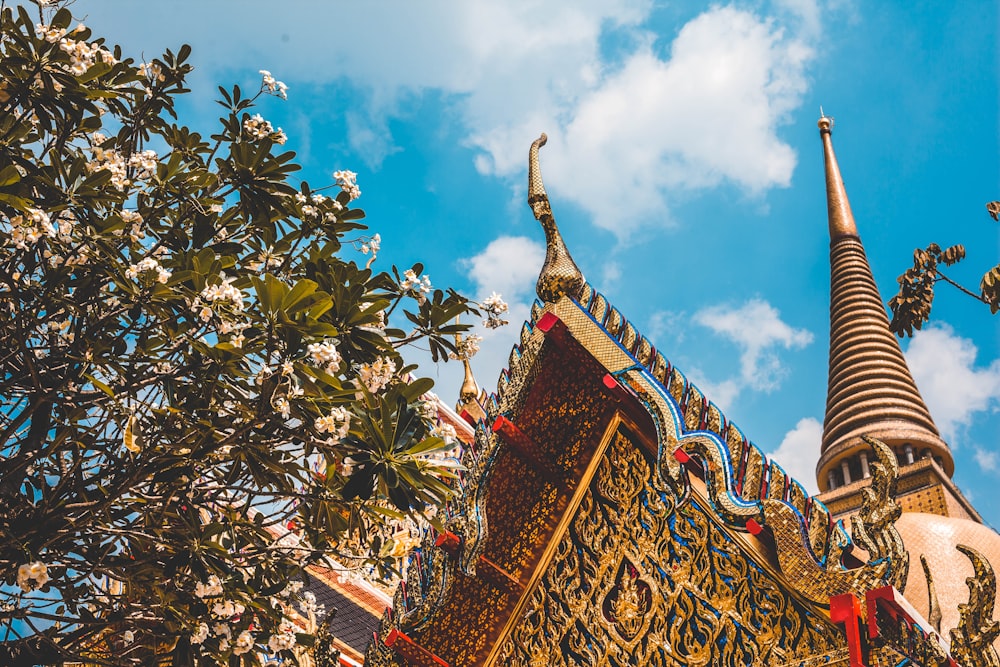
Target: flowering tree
(190, 362)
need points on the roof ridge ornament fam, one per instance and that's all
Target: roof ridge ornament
(560, 275)
(874, 527)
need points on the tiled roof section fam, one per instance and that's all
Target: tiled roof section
(756, 477)
(359, 608)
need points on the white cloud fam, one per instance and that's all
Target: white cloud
(723, 393)
(955, 388)
(647, 123)
(987, 460)
(757, 329)
(706, 115)
(508, 265)
(799, 452)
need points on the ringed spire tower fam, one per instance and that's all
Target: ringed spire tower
(870, 389)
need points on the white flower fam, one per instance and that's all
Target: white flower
(337, 423)
(272, 86)
(283, 407)
(467, 347)
(211, 589)
(348, 182)
(200, 634)
(258, 128)
(148, 264)
(325, 354)
(227, 609)
(378, 374)
(284, 638)
(418, 286)
(494, 307)
(243, 643)
(32, 575)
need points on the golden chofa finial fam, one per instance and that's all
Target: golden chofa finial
(560, 274)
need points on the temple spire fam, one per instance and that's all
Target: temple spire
(560, 274)
(871, 391)
(838, 207)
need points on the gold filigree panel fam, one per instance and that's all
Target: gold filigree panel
(637, 580)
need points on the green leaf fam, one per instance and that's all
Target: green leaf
(9, 175)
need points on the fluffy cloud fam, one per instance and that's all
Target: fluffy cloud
(646, 122)
(799, 452)
(757, 329)
(987, 460)
(955, 388)
(705, 115)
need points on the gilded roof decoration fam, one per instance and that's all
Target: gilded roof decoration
(560, 274)
(972, 641)
(874, 527)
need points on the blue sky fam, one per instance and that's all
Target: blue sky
(684, 168)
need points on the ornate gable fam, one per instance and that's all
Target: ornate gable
(612, 515)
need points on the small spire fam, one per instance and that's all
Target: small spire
(468, 395)
(560, 275)
(838, 207)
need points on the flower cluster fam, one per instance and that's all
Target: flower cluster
(32, 575)
(467, 347)
(227, 609)
(82, 56)
(135, 219)
(220, 294)
(494, 306)
(49, 33)
(148, 264)
(337, 423)
(284, 638)
(200, 634)
(143, 165)
(28, 229)
(372, 245)
(213, 588)
(272, 86)
(325, 355)
(417, 285)
(257, 128)
(378, 374)
(348, 182)
(244, 643)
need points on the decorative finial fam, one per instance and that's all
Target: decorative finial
(468, 394)
(972, 641)
(933, 606)
(874, 527)
(825, 122)
(560, 274)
